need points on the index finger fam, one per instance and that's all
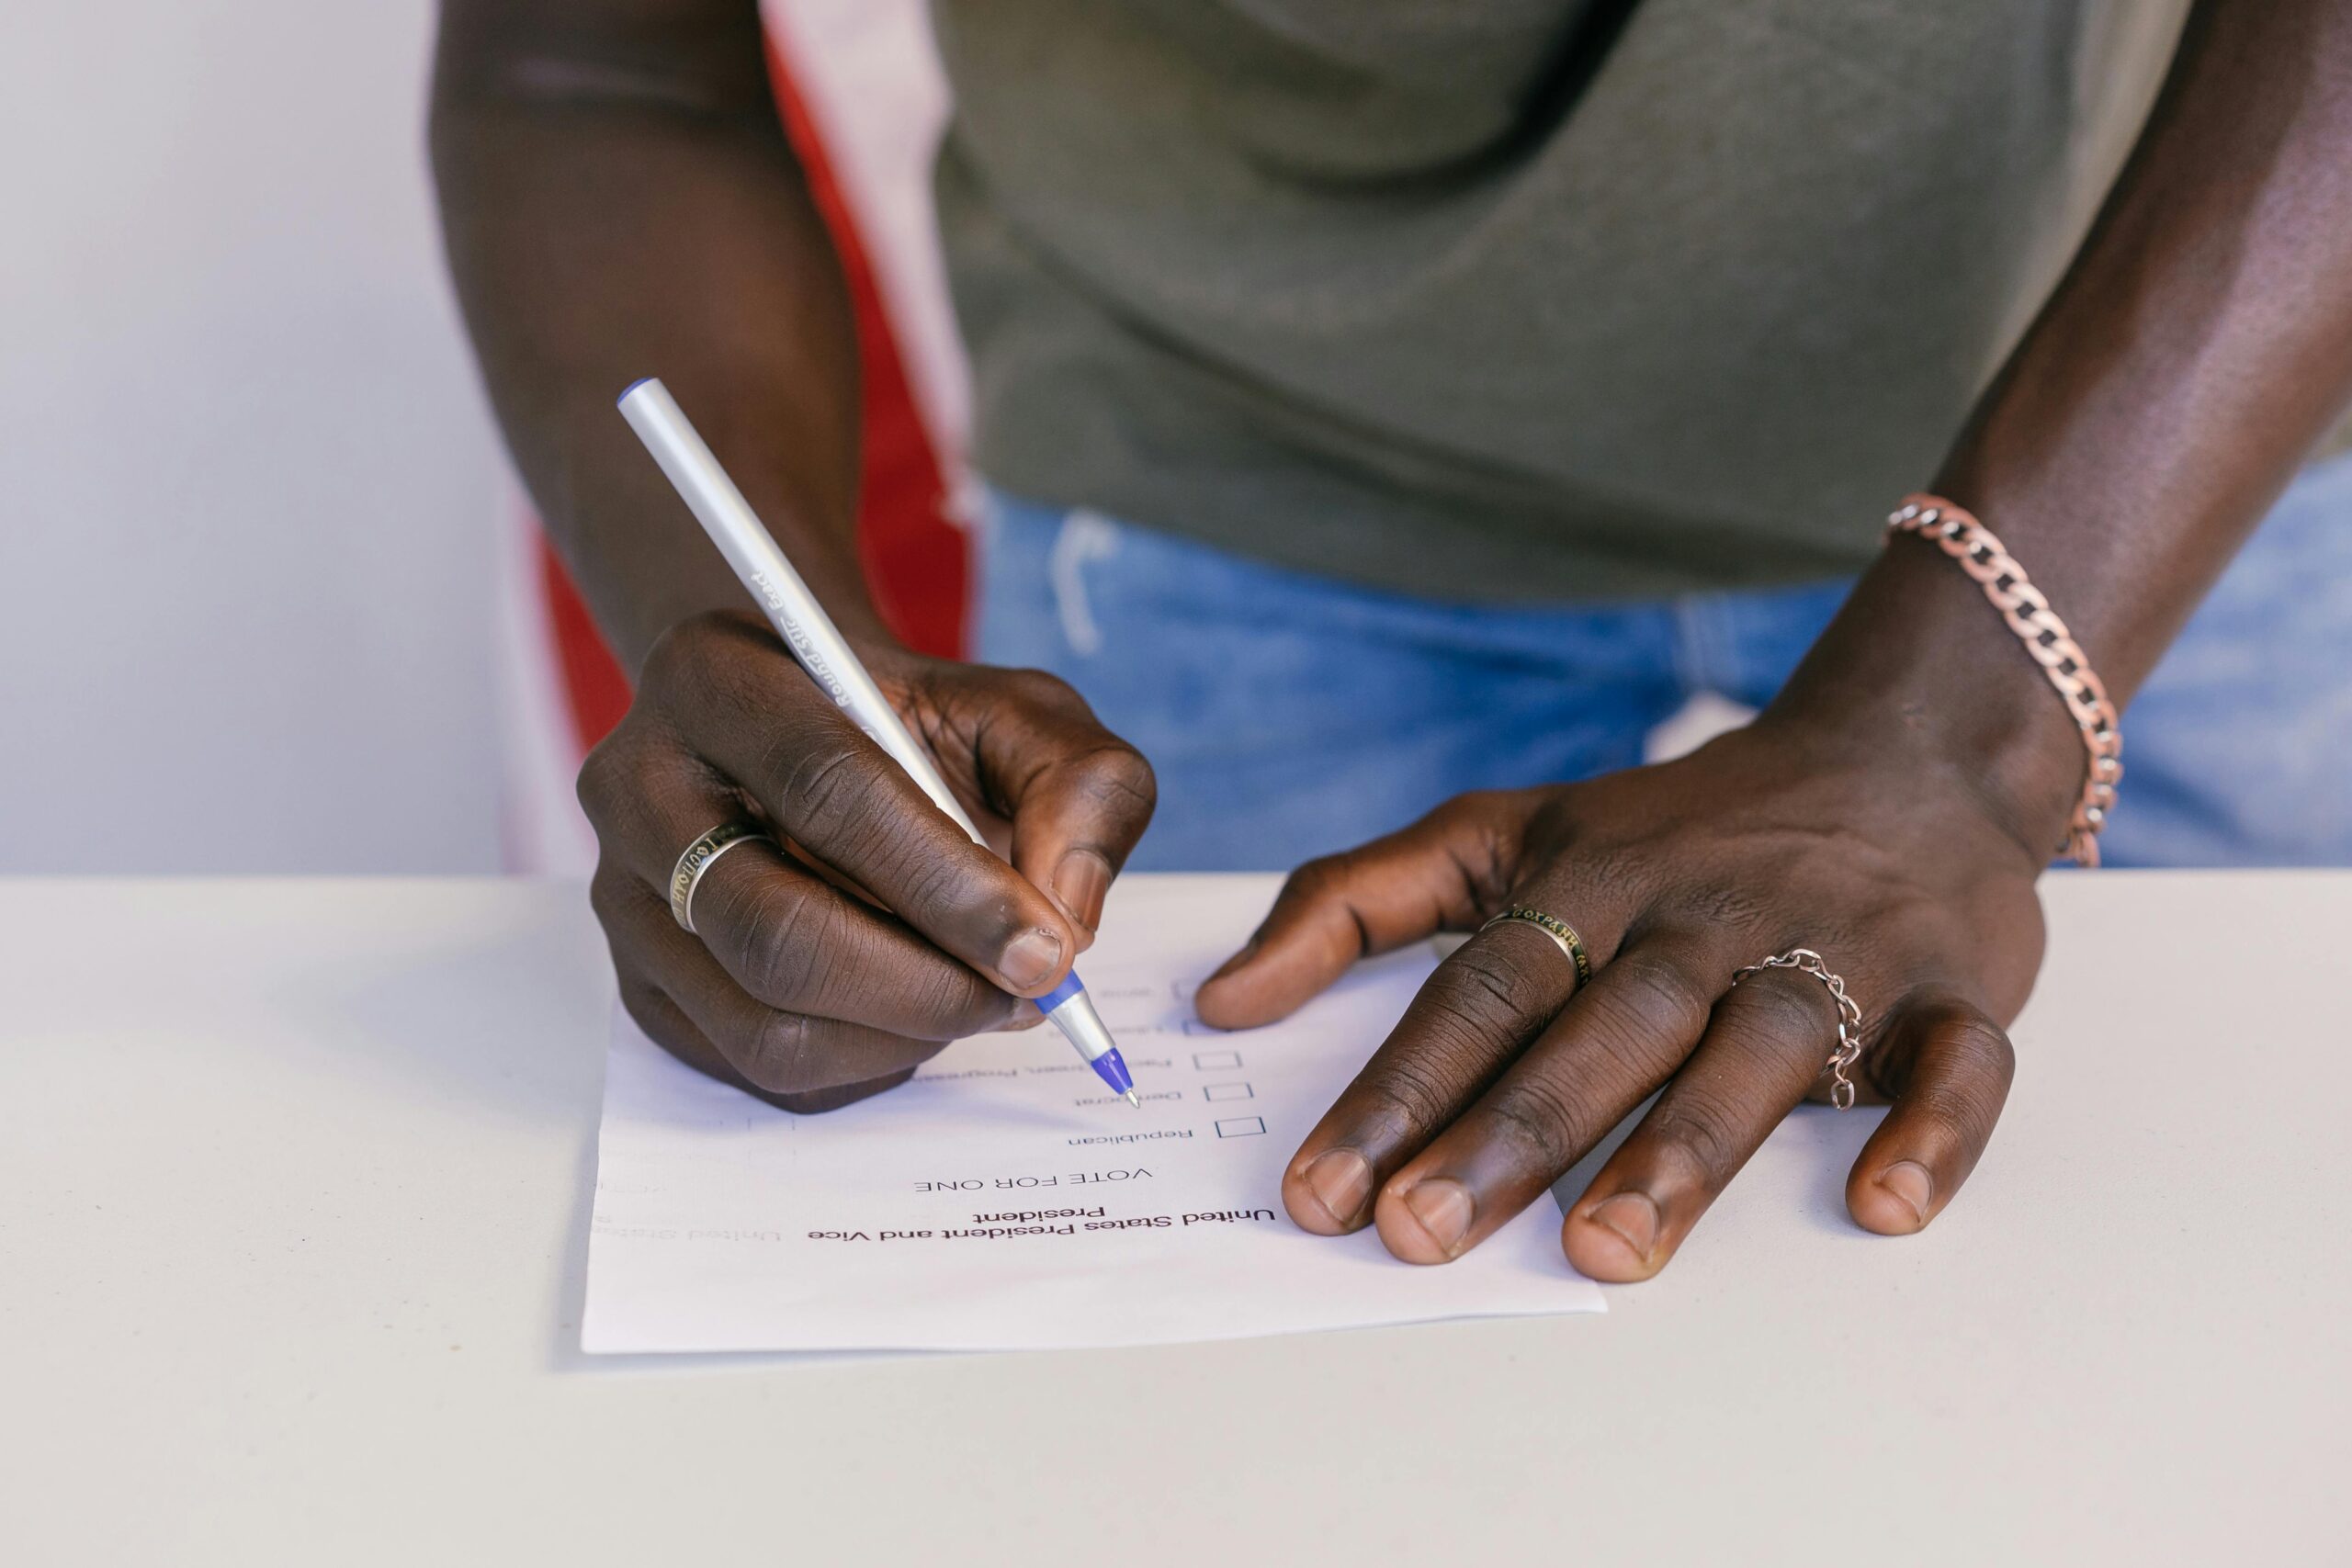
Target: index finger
(1474, 1014)
(1079, 797)
(1441, 874)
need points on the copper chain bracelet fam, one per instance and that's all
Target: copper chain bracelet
(1951, 529)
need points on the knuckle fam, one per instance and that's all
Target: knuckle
(941, 887)
(1471, 1021)
(1667, 990)
(1476, 809)
(1978, 1045)
(1408, 1097)
(1538, 1117)
(951, 1000)
(824, 786)
(605, 894)
(1485, 984)
(961, 1006)
(755, 681)
(1469, 807)
(721, 662)
(669, 650)
(601, 892)
(789, 940)
(1038, 688)
(1315, 880)
(1117, 777)
(1953, 1062)
(682, 646)
(1789, 1010)
(956, 894)
(628, 773)
(1981, 1062)
(604, 776)
(1699, 1131)
(1481, 831)
(1643, 1021)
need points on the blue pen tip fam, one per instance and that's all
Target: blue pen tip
(632, 387)
(1073, 1013)
(1112, 1068)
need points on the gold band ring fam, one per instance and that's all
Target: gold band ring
(699, 857)
(1558, 930)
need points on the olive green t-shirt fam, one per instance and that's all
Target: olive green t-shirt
(1501, 300)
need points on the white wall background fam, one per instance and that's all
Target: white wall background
(249, 496)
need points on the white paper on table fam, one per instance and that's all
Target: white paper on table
(1005, 1200)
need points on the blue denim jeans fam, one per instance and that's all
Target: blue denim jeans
(1289, 715)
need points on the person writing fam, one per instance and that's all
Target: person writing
(1394, 412)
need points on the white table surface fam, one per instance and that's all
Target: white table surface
(294, 1183)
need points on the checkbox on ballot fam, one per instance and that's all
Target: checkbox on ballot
(1241, 1126)
(1211, 1061)
(1228, 1091)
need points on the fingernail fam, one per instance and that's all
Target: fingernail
(1443, 1209)
(1030, 959)
(1340, 1180)
(1909, 1180)
(1632, 1216)
(1080, 882)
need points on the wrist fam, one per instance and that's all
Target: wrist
(1921, 672)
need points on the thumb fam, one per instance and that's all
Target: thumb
(1079, 797)
(1441, 874)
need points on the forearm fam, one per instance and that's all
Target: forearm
(619, 200)
(2197, 349)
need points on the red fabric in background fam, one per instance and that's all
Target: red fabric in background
(595, 689)
(915, 560)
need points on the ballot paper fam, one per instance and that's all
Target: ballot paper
(1004, 1199)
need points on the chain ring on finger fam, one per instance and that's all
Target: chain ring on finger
(1850, 1016)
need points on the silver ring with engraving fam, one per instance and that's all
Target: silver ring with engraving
(699, 857)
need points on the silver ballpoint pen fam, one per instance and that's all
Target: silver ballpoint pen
(820, 647)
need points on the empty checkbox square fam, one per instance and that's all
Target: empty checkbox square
(1228, 1091)
(1209, 1061)
(1241, 1126)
